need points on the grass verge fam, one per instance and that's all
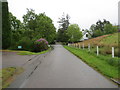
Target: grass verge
(27, 52)
(7, 75)
(32, 53)
(96, 62)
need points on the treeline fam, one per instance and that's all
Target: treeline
(102, 28)
(68, 33)
(34, 26)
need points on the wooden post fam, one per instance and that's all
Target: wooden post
(88, 47)
(83, 46)
(79, 46)
(113, 52)
(97, 50)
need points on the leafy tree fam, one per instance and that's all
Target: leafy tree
(74, 33)
(109, 29)
(14, 22)
(29, 19)
(39, 26)
(64, 22)
(62, 35)
(6, 30)
(97, 33)
(99, 27)
(45, 28)
(92, 27)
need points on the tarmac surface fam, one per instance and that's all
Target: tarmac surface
(11, 59)
(61, 69)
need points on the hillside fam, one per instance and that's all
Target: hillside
(105, 43)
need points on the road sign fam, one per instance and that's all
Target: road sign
(19, 47)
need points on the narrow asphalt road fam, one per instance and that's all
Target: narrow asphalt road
(61, 69)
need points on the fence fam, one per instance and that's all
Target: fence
(89, 48)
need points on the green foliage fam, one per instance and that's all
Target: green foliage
(14, 22)
(40, 45)
(45, 28)
(109, 29)
(97, 33)
(26, 44)
(64, 22)
(6, 31)
(39, 26)
(33, 27)
(74, 33)
(62, 36)
(102, 28)
(32, 53)
(29, 19)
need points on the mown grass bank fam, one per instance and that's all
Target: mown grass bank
(99, 63)
(27, 52)
(105, 43)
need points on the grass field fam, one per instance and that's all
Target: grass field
(101, 63)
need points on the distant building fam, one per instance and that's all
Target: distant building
(85, 34)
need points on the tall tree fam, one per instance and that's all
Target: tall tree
(109, 29)
(74, 33)
(29, 19)
(45, 27)
(6, 30)
(99, 29)
(100, 25)
(14, 22)
(64, 22)
(62, 35)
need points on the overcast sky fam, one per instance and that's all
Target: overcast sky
(82, 12)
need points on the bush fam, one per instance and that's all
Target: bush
(26, 44)
(40, 45)
(114, 62)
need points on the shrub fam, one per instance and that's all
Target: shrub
(26, 44)
(40, 45)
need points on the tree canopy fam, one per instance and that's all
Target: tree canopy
(6, 29)
(102, 28)
(74, 33)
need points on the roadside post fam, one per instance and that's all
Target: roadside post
(97, 50)
(79, 46)
(83, 46)
(113, 52)
(89, 47)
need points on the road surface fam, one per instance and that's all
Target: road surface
(11, 59)
(61, 69)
